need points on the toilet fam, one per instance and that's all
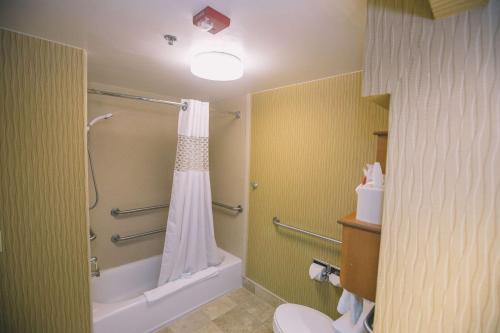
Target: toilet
(295, 318)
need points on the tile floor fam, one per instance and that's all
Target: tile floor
(238, 311)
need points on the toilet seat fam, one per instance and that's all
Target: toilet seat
(295, 318)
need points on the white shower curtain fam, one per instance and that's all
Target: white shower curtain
(189, 242)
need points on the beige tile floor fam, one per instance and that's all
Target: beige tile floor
(237, 311)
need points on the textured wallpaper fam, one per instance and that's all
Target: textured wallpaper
(439, 268)
(309, 143)
(44, 264)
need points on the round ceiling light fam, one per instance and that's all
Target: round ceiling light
(217, 66)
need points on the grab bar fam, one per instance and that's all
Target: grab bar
(117, 238)
(92, 234)
(276, 222)
(237, 209)
(117, 211)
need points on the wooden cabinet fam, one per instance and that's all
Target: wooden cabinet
(359, 259)
(361, 243)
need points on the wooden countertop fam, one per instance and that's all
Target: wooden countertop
(350, 220)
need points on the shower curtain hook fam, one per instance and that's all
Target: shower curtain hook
(184, 106)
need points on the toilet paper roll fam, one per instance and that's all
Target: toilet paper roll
(334, 279)
(315, 272)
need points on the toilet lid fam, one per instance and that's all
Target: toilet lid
(294, 318)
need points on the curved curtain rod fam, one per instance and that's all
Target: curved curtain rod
(183, 106)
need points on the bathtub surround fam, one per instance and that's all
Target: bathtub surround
(189, 240)
(439, 268)
(229, 166)
(133, 155)
(309, 144)
(44, 279)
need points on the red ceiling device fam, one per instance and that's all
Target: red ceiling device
(211, 20)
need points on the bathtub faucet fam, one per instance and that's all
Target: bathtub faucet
(94, 267)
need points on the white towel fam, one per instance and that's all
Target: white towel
(344, 323)
(350, 302)
(179, 284)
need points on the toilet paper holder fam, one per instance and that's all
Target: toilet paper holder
(329, 268)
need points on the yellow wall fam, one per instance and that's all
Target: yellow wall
(309, 143)
(439, 267)
(44, 272)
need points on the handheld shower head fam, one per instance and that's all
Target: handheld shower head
(89, 125)
(97, 119)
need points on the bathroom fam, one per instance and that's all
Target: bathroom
(260, 166)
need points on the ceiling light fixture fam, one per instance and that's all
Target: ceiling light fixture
(217, 66)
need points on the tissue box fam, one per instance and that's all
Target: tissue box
(370, 200)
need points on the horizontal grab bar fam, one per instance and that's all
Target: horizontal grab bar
(237, 209)
(276, 222)
(92, 234)
(117, 211)
(117, 238)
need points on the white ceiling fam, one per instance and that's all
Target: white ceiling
(280, 41)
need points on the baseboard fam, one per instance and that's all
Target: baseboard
(262, 292)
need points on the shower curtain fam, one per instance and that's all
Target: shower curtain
(189, 241)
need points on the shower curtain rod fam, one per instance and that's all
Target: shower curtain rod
(183, 106)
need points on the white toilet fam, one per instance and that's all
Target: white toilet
(295, 318)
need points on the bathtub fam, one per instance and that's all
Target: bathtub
(118, 303)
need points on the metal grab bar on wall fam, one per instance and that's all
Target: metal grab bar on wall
(117, 238)
(92, 235)
(237, 209)
(117, 211)
(276, 222)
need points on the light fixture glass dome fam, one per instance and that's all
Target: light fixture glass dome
(217, 66)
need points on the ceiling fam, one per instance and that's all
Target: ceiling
(279, 41)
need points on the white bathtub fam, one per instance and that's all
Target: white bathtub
(119, 304)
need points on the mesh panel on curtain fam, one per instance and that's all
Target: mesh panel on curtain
(189, 242)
